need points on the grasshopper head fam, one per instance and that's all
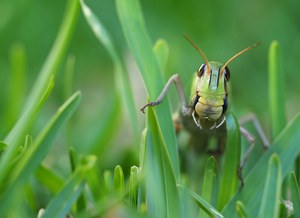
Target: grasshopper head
(211, 91)
(210, 97)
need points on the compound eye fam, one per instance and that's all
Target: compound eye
(201, 70)
(227, 74)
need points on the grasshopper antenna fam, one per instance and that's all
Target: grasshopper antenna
(238, 54)
(199, 50)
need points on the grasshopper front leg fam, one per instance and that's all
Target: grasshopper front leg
(179, 87)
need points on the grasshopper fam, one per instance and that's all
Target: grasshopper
(205, 115)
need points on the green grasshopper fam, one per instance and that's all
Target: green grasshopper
(205, 115)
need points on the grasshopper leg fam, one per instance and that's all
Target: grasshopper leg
(252, 118)
(177, 81)
(251, 139)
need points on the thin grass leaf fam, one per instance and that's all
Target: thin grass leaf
(286, 146)
(37, 152)
(119, 179)
(161, 191)
(17, 83)
(60, 205)
(49, 179)
(161, 51)
(276, 90)
(133, 186)
(74, 162)
(272, 190)
(295, 194)
(241, 210)
(16, 135)
(121, 75)
(229, 179)
(209, 209)
(208, 182)
(132, 22)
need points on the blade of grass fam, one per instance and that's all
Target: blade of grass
(121, 75)
(272, 190)
(229, 179)
(210, 210)
(161, 51)
(241, 210)
(295, 194)
(276, 90)
(60, 205)
(208, 182)
(49, 179)
(36, 153)
(119, 179)
(16, 135)
(17, 83)
(161, 191)
(133, 186)
(286, 146)
(132, 22)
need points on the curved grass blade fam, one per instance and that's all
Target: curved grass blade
(18, 83)
(16, 135)
(133, 186)
(161, 191)
(272, 190)
(161, 51)
(295, 194)
(276, 90)
(49, 179)
(119, 179)
(210, 210)
(121, 75)
(132, 22)
(286, 146)
(241, 210)
(229, 179)
(60, 205)
(208, 182)
(37, 152)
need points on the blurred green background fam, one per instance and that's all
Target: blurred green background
(219, 28)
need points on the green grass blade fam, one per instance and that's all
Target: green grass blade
(161, 191)
(209, 209)
(286, 146)
(37, 152)
(18, 83)
(49, 179)
(276, 90)
(295, 194)
(119, 179)
(241, 210)
(16, 135)
(132, 22)
(133, 186)
(208, 182)
(229, 180)
(121, 75)
(272, 190)
(62, 202)
(161, 51)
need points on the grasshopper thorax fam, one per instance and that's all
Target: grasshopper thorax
(209, 95)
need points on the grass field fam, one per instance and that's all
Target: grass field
(75, 74)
